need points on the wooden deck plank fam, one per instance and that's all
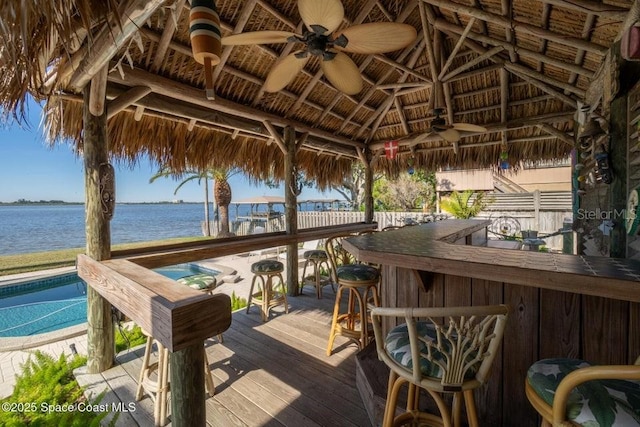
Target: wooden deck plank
(288, 359)
(266, 374)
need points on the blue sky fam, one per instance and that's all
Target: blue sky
(30, 170)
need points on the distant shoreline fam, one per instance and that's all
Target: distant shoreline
(61, 203)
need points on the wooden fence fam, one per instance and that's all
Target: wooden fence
(546, 212)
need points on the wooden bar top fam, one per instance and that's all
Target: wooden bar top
(425, 248)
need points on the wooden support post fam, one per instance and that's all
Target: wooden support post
(365, 157)
(291, 203)
(187, 387)
(100, 343)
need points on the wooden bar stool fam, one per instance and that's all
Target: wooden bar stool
(316, 259)
(360, 282)
(154, 379)
(269, 294)
(453, 355)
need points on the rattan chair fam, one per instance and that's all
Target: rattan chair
(454, 356)
(571, 392)
(360, 282)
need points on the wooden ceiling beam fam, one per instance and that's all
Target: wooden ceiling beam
(126, 99)
(558, 134)
(475, 61)
(456, 48)
(243, 18)
(110, 39)
(527, 28)
(514, 124)
(403, 118)
(167, 36)
(381, 112)
(448, 27)
(166, 108)
(414, 47)
(538, 80)
(509, 33)
(276, 136)
(592, 7)
(186, 50)
(173, 89)
(544, 23)
(589, 22)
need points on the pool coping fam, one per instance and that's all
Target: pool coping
(26, 342)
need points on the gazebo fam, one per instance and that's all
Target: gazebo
(463, 84)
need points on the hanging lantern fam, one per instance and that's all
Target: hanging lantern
(391, 149)
(504, 160)
(206, 40)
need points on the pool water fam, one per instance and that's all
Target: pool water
(54, 303)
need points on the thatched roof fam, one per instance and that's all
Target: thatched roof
(521, 71)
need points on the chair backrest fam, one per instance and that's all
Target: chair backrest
(337, 254)
(461, 342)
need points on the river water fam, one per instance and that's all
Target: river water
(36, 228)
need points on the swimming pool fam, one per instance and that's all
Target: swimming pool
(45, 305)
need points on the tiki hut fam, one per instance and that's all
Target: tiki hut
(387, 83)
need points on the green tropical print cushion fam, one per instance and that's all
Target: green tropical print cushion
(198, 281)
(602, 403)
(267, 266)
(397, 345)
(357, 272)
(315, 254)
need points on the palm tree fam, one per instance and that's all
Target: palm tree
(222, 195)
(458, 204)
(191, 175)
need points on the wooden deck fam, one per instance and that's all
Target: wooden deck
(266, 374)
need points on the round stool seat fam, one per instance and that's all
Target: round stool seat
(316, 254)
(199, 282)
(267, 266)
(357, 273)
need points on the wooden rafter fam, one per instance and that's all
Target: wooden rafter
(167, 36)
(527, 28)
(525, 122)
(445, 26)
(173, 89)
(110, 40)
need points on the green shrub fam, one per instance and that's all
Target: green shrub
(237, 303)
(128, 338)
(43, 392)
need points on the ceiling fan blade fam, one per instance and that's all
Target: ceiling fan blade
(377, 37)
(421, 138)
(343, 74)
(468, 127)
(450, 135)
(327, 13)
(283, 72)
(257, 37)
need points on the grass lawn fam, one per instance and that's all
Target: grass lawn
(24, 263)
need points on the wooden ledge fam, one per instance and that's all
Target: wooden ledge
(177, 316)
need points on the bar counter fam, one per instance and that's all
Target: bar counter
(561, 305)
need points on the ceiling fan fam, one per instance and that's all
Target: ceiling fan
(322, 18)
(449, 132)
